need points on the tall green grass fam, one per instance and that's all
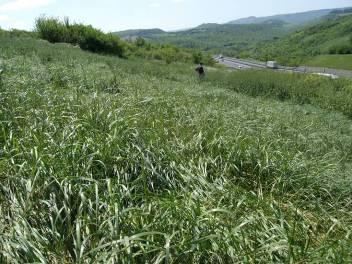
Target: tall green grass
(297, 88)
(107, 160)
(87, 37)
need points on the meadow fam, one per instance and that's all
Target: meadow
(112, 160)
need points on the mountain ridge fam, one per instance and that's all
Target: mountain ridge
(295, 19)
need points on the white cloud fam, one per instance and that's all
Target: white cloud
(15, 5)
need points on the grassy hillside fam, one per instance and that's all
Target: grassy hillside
(217, 38)
(332, 61)
(330, 35)
(108, 160)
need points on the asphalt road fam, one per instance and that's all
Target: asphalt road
(233, 64)
(240, 64)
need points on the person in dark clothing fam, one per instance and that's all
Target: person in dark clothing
(200, 70)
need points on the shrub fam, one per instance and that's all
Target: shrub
(51, 29)
(140, 42)
(169, 54)
(2, 32)
(197, 57)
(96, 41)
(87, 37)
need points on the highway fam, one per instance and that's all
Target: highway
(240, 64)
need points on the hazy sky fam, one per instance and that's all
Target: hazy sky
(113, 15)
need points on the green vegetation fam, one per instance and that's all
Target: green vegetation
(273, 37)
(332, 61)
(228, 39)
(145, 33)
(330, 36)
(169, 53)
(281, 37)
(87, 37)
(306, 89)
(108, 160)
(94, 40)
(345, 48)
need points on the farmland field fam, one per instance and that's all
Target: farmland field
(108, 160)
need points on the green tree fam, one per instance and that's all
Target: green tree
(140, 42)
(197, 57)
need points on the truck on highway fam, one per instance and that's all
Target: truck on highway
(272, 65)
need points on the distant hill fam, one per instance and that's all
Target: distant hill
(331, 35)
(217, 38)
(291, 19)
(342, 11)
(145, 33)
(247, 35)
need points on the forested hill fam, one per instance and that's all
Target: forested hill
(239, 37)
(292, 19)
(218, 38)
(145, 33)
(331, 36)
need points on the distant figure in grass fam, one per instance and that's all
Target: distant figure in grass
(200, 70)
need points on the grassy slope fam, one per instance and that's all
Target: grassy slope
(332, 61)
(104, 159)
(309, 41)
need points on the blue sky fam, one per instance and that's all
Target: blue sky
(113, 15)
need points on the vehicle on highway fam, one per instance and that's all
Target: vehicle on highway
(220, 57)
(332, 76)
(272, 65)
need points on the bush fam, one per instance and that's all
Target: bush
(87, 37)
(51, 29)
(197, 57)
(140, 42)
(96, 41)
(2, 32)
